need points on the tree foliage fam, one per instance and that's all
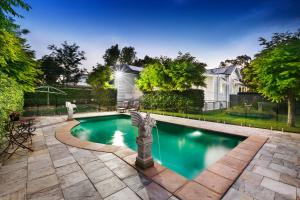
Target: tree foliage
(242, 61)
(51, 69)
(169, 74)
(8, 7)
(145, 61)
(17, 61)
(7, 10)
(16, 58)
(69, 58)
(127, 55)
(111, 55)
(100, 76)
(275, 71)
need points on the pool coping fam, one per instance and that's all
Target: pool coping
(212, 183)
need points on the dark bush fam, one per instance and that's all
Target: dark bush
(106, 98)
(250, 112)
(77, 95)
(189, 101)
(11, 100)
(80, 95)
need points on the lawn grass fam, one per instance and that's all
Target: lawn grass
(222, 117)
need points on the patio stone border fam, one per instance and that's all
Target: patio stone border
(211, 184)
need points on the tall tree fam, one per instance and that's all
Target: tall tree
(127, 55)
(242, 61)
(16, 57)
(112, 55)
(8, 8)
(145, 61)
(180, 73)
(52, 70)
(69, 58)
(100, 76)
(275, 71)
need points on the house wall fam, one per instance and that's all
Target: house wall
(209, 92)
(219, 88)
(126, 89)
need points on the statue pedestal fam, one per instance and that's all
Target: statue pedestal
(70, 115)
(144, 159)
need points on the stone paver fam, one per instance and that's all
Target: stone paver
(153, 191)
(41, 183)
(125, 171)
(125, 194)
(213, 181)
(67, 169)
(234, 194)
(72, 178)
(195, 191)
(266, 172)
(53, 193)
(109, 186)
(57, 171)
(81, 190)
(18, 195)
(100, 175)
(136, 182)
(170, 180)
(281, 188)
(92, 166)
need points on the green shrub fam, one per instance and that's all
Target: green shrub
(105, 97)
(266, 106)
(250, 112)
(80, 95)
(189, 101)
(11, 99)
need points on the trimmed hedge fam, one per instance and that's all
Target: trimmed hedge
(80, 95)
(11, 100)
(189, 101)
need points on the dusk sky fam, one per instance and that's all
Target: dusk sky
(212, 31)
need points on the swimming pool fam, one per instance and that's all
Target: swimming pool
(185, 150)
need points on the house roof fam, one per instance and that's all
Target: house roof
(135, 68)
(222, 70)
(128, 68)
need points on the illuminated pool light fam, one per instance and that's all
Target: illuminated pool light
(195, 134)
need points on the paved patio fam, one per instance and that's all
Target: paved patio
(57, 171)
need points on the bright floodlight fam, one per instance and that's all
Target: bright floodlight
(118, 74)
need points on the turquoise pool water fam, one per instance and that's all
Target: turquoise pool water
(185, 150)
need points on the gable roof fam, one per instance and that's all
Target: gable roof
(222, 70)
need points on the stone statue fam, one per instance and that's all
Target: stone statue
(144, 139)
(70, 108)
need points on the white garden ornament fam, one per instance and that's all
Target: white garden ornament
(70, 108)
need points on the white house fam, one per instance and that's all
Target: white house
(220, 83)
(124, 80)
